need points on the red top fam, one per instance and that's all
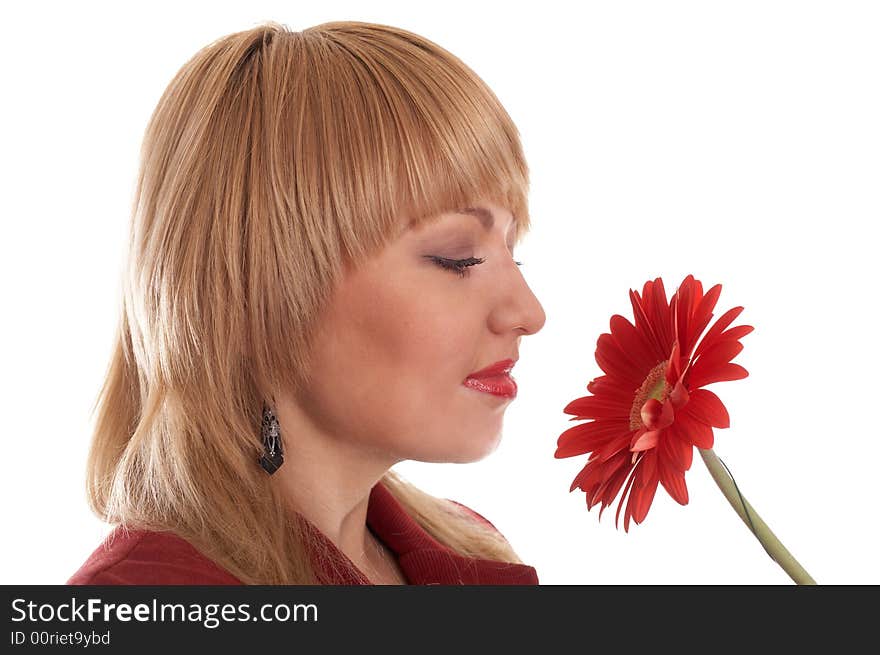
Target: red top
(139, 557)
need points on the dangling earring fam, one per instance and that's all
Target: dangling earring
(272, 457)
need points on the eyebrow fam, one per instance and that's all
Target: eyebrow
(485, 216)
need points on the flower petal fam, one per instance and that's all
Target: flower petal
(612, 360)
(617, 472)
(737, 332)
(695, 432)
(702, 316)
(681, 309)
(658, 311)
(648, 464)
(716, 329)
(643, 325)
(721, 353)
(612, 389)
(712, 359)
(642, 497)
(596, 407)
(614, 446)
(705, 406)
(581, 480)
(624, 499)
(632, 342)
(646, 441)
(723, 373)
(586, 437)
(673, 482)
(675, 450)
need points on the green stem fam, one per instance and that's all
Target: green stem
(747, 513)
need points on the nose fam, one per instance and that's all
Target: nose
(517, 308)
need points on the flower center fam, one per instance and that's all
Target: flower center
(655, 387)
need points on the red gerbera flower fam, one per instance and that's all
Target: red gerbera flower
(649, 411)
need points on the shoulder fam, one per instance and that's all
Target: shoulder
(143, 557)
(483, 571)
(474, 514)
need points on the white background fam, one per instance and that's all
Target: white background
(737, 141)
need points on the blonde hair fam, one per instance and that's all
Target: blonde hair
(274, 161)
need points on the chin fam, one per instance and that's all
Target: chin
(473, 451)
(462, 445)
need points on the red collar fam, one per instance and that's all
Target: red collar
(144, 557)
(423, 559)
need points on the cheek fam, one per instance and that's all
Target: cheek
(405, 328)
(417, 349)
(418, 407)
(390, 363)
(392, 360)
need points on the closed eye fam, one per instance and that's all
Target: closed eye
(460, 266)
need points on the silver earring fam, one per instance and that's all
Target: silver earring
(272, 457)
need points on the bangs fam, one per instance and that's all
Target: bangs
(401, 131)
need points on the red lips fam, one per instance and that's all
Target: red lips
(498, 368)
(494, 379)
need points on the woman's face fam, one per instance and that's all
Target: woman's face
(402, 333)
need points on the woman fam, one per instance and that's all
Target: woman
(320, 255)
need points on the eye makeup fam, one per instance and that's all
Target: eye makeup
(455, 240)
(460, 266)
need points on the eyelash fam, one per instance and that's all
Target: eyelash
(460, 266)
